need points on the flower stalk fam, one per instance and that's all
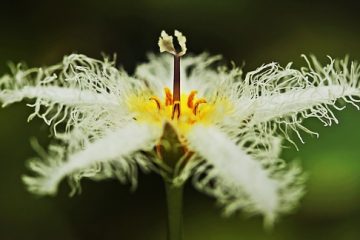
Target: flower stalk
(172, 154)
(174, 197)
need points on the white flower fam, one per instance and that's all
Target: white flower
(108, 124)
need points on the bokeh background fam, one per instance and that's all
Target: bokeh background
(250, 31)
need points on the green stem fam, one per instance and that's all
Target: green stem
(174, 196)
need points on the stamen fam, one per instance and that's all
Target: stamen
(157, 101)
(197, 103)
(191, 97)
(168, 97)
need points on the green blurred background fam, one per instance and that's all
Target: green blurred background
(250, 31)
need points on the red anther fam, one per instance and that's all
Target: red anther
(191, 97)
(157, 101)
(168, 97)
(197, 103)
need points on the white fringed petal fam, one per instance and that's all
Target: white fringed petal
(294, 101)
(156, 73)
(60, 95)
(235, 168)
(275, 97)
(114, 146)
(240, 180)
(72, 92)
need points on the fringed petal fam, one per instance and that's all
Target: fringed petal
(96, 159)
(280, 98)
(238, 180)
(311, 101)
(59, 95)
(288, 95)
(71, 91)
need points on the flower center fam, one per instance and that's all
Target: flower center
(188, 103)
(154, 109)
(172, 105)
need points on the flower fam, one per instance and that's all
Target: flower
(223, 129)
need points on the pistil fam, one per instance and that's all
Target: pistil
(166, 45)
(176, 88)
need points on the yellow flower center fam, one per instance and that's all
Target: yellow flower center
(181, 114)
